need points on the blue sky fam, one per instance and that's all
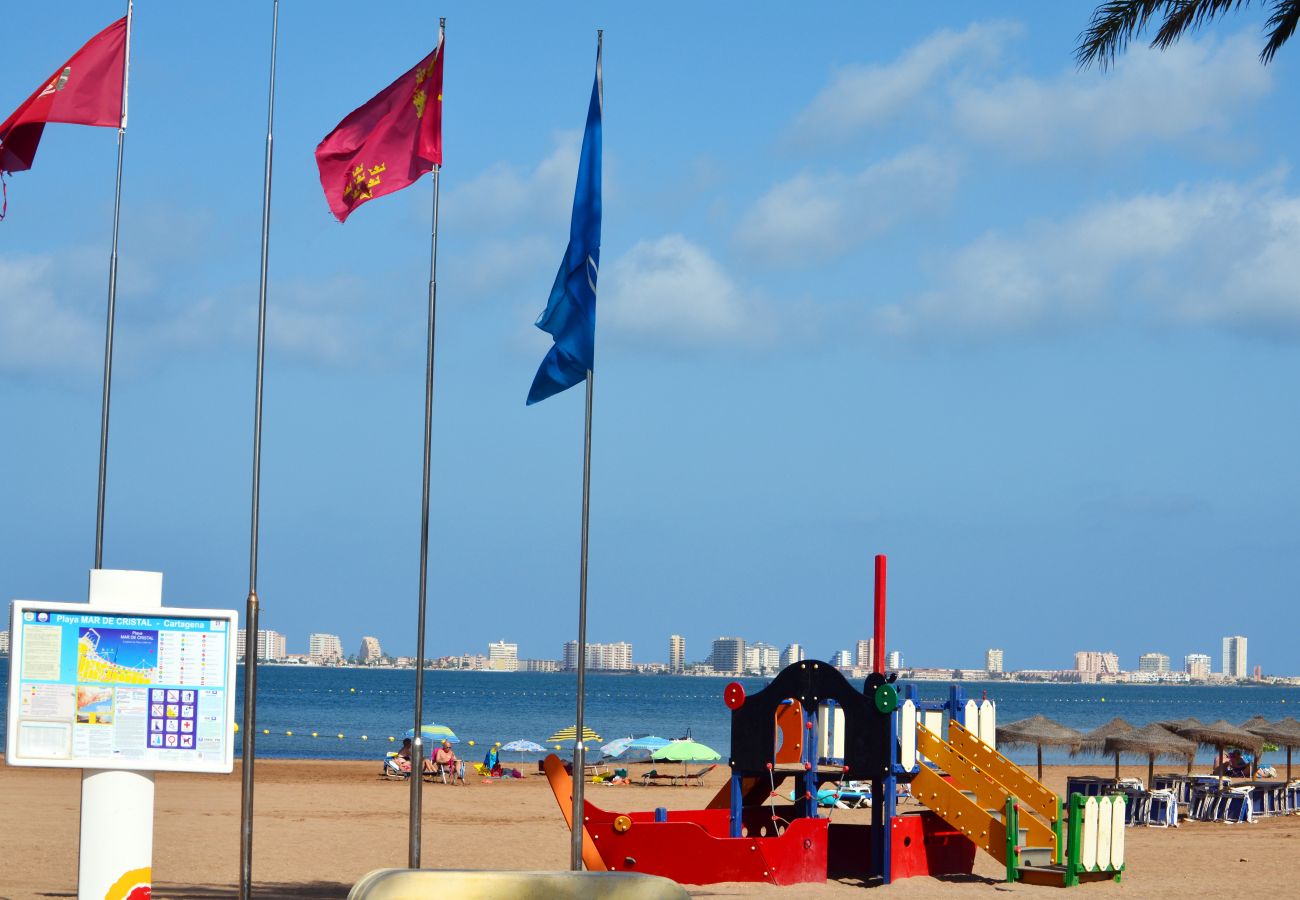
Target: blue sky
(874, 279)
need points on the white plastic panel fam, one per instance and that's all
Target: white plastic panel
(1104, 818)
(989, 723)
(971, 718)
(932, 719)
(1088, 844)
(830, 730)
(907, 735)
(1117, 835)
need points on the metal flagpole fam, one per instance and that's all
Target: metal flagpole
(251, 613)
(579, 749)
(417, 742)
(112, 305)
(575, 850)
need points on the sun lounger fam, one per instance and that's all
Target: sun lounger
(694, 777)
(654, 777)
(392, 769)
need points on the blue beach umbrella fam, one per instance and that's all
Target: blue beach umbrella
(648, 742)
(523, 747)
(617, 748)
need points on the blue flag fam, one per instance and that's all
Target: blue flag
(570, 315)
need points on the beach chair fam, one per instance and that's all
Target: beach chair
(695, 777)
(1161, 809)
(654, 777)
(392, 769)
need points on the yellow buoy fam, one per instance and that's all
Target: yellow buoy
(364, 738)
(289, 733)
(236, 724)
(471, 743)
(391, 738)
(313, 734)
(353, 690)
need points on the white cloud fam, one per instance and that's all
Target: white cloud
(1151, 95)
(39, 330)
(1217, 254)
(815, 217)
(866, 95)
(510, 195)
(670, 291)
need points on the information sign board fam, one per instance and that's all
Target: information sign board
(90, 688)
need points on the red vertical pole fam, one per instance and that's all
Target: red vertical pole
(878, 645)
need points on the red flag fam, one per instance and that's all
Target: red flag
(86, 90)
(387, 144)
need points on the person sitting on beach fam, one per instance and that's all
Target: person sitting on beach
(1233, 766)
(404, 756)
(444, 759)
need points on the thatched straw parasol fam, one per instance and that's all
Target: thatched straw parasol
(1094, 741)
(1284, 733)
(1176, 725)
(1039, 732)
(1255, 722)
(1223, 734)
(1151, 741)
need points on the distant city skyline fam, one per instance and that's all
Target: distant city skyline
(736, 654)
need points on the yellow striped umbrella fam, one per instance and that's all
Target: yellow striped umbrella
(571, 734)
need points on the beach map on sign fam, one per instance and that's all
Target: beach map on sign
(117, 656)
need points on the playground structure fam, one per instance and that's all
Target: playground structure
(810, 728)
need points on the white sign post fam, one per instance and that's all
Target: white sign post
(120, 687)
(116, 857)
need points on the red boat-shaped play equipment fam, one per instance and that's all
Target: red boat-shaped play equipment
(810, 728)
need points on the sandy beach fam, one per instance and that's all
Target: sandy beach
(321, 825)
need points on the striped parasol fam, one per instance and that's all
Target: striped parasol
(571, 734)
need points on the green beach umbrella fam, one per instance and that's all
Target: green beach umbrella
(435, 731)
(686, 751)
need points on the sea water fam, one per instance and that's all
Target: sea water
(504, 706)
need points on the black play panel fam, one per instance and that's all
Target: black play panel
(866, 727)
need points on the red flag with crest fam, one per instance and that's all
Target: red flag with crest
(85, 90)
(386, 144)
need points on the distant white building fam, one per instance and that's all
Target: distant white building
(792, 653)
(370, 651)
(4, 643)
(993, 661)
(271, 645)
(1234, 657)
(1153, 663)
(728, 655)
(615, 657)
(865, 650)
(894, 660)
(676, 653)
(1197, 665)
(1096, 662)
(503, 657)
(324, 649)
(843, 659)
(762, 659)
(539, 665)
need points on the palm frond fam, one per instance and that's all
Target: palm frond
(1281, 24)
(1112, 27)
(1116, 22)
(1189, 15)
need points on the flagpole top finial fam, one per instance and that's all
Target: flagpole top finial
(442, 21)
